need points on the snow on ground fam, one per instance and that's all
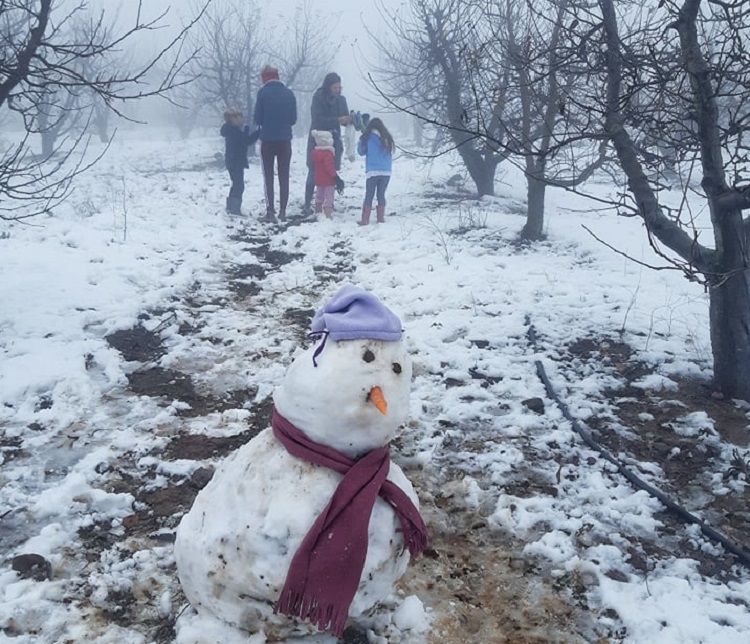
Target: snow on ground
(143, 240)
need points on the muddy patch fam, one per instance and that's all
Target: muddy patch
(137, 344)
(171, 385)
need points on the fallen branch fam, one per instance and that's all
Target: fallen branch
(742, 554)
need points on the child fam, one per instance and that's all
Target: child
(376, 145)
(324, 171)
(237, 140)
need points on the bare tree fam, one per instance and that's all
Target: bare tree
(303, 52)
(300, 48)
(43, 72)
(425, 63)
(555, 139)
(236, 38)
(503, 77)
(677, 81)
(227, 67)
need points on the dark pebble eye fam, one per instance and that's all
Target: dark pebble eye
(369, 356)
(396, 367)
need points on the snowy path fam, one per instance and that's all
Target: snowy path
(534, 539)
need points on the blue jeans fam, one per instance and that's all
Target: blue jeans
(376, 185)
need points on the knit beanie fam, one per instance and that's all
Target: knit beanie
(331, 79)
(268, 73)
(353, 313)
(323, 138)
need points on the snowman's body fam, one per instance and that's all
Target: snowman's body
(234, 547)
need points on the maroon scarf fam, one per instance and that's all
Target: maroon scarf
(326, 569)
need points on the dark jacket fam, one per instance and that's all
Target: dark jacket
(275, 111)
(325, 110)
(237, 141)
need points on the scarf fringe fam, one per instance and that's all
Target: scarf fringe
(415, 541)
(295, 603)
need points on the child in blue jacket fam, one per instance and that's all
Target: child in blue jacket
(376, 145)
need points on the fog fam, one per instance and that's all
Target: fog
(346, 24)
(347, 20)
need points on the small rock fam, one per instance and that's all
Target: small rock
(617, 575)
(354, 635)
(534, 404)
(130, 521)
(201, 477)
(102, 467)
(32, 566)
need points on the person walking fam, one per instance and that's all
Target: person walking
(237, 139)
(328, 111)
(324, 171)
(275, 114)
(376, 145)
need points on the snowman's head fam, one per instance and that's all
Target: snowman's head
(351, 390)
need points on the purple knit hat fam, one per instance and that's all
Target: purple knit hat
(353, 313)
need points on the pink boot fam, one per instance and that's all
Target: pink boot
(365, 221)
(381, 214)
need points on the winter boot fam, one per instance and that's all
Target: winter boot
(282, 215)
(381, 214)
(234, 206)
(366, 210)
(318, 208)
(307, 209)
(328, 212)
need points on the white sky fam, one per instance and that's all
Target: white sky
(349, 32)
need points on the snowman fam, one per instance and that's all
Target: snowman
(309, 525)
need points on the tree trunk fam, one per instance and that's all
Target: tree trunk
(730, 335)
(48, 143)
(101, 122)
(533, 230)
(481, 170)
(418, 130)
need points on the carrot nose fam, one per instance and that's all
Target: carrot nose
(376, 398)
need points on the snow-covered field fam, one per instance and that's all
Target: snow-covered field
(143, 242)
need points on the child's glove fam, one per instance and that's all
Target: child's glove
(339, 183)
(254, 136)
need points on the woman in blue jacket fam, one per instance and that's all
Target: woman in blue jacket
(376, 145)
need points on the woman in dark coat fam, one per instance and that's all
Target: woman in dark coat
(328, 111)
